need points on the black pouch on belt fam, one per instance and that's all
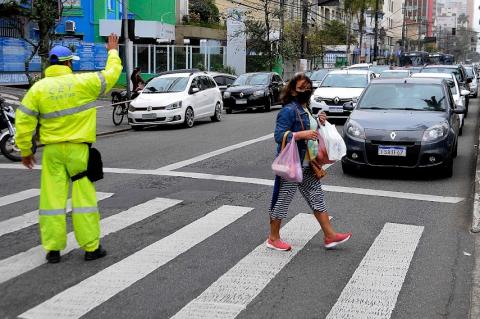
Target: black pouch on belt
(94, 170)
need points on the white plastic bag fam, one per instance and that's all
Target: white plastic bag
(334, 142)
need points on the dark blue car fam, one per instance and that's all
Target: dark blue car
(409, 122)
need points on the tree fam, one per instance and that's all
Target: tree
(42, 13)
(205, 10)
(462, 19)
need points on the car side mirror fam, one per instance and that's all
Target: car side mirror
(464, 92)
(194, 90)
(469, 80)
(459, 109)
(348, 106)
(229, 85)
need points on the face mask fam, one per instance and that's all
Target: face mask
(304, 97)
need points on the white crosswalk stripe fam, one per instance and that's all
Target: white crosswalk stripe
(16, 223)
(88, 294)
(230, 294)
(16, 197)
(373, 289)
(16, 265)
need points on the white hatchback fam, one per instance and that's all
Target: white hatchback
(176, 98)
(337, 88)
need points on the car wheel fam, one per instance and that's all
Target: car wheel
(137, 128)
(268, 104)
(229, 111)
(189, 117)
(217, 116)
(348, 169)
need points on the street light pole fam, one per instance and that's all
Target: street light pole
(375, 41)
(304, 28)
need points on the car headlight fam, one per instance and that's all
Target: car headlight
(131, 108)
(355, 130)
(173, 106)
(226, 95)
(259, 93)
(435, 132)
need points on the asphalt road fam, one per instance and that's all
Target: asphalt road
(420, 267)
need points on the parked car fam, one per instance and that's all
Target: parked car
(253, 90)
(317, 77)
(409, 122)
(402, 73)
(457, 93)
(458, 70)
(472, 73)
(360, 66)
(176, 98)
(377, 69)
(223, 80)
(337, 88)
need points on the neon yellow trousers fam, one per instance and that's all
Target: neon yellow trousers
(59, 163)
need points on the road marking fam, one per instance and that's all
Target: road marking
(16, 265)
(17, 197)
(373, 289)
(93, 291)
(269, 182)
(214, 153)
(16, 223)
(5, 95)
(234, 290)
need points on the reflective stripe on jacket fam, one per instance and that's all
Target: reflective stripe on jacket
(63, 103)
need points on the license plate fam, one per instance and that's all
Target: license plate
(392, 151)
(149, 116)
(241, 101)
(335, 109)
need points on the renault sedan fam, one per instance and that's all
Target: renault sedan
(411, 123)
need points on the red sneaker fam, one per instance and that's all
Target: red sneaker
(278, 245)
(338, 239)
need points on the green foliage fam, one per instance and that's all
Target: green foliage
(204, 11)
(227, 69)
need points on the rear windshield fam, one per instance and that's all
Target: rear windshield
(409, 96)
(345, 80)
(387, 74)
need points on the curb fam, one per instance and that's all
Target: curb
(113, 132)
(475, 229)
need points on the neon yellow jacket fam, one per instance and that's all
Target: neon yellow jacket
(63, 104)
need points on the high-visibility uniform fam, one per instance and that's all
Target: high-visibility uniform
(63, 106)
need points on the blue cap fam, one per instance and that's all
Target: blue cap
(60, 53)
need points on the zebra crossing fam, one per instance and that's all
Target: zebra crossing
(377, 280)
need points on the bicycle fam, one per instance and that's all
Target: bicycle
(119, 109)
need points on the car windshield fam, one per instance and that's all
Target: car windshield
(345, 80)
(318, 75)
(398, 74)
(444, 70)
(379, 68)
(252, 79)
(166, 85)
(412, 97)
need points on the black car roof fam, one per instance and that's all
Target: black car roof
(408, 80)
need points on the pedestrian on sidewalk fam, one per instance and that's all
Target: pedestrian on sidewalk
(63, 105)
(295, 98)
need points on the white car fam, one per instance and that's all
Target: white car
(395, 74)
(176, 98)
(337, 88)
(360, 66)
(458, 94)
(471, 72)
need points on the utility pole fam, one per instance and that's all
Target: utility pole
(404, 9)
(127, 44)
(375, 40)
(282, 27)
(303, 44)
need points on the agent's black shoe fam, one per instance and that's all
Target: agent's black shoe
(53, 256)
(92, 255)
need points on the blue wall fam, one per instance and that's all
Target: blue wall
(84, 21)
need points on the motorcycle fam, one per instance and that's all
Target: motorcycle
(7, 133)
